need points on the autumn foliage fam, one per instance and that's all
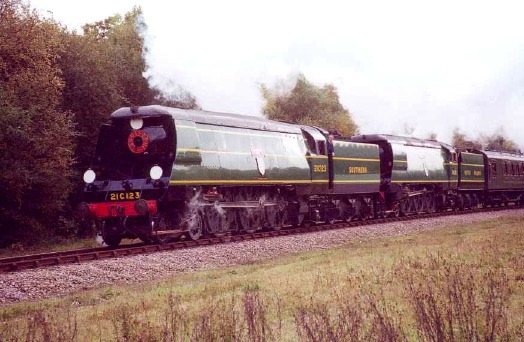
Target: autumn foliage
(56, 88)
(308, 104)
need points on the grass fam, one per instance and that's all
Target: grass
(458, 283)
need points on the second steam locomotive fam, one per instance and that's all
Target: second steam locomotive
(162, 172)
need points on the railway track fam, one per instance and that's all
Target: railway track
(20, 263)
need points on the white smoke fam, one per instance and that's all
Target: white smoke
(433, 66)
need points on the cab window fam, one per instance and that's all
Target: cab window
(322, 147)
(310, 142)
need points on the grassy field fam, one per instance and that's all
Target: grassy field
(461, 283)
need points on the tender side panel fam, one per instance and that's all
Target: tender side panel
(416, 164)
(227, 155)
(356, 168)
(471, 171)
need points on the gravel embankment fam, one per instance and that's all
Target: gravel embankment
(61, 280)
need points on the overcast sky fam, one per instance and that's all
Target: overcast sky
(432, 66)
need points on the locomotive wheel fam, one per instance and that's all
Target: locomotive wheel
(110, 239)
(217, 222)
(281, 220)
(397, 209)
(460, 203)
(305, 221)
(419, 202)
(364, 211)
(270, 216)
(194, 226)
(161, 224)
(426, 206)
(345, 211)
(249, 219)
(281, 217)
(467, 201)
(432, 205)
(404, 207)
(330, 220)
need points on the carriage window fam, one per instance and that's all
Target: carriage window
(493, 169)
(506, 168)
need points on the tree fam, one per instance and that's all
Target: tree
(408, 130)
(432, 136)
(499, 142)
(495, 142)
(308, 104)
(103, 71)
(461, 140)
(92, 90)
(36, 136)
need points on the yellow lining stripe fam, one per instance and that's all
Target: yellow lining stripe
(399, 161)
(424, 181)
(316, 157)
(269, 181)
(358, 181)
(479, 165)
(196, 150)
(269, 135)
(211, 151)
(236, 181)
(472, 180)
(356, 159)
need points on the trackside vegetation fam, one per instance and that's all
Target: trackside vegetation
(460, 283)
(56, 88)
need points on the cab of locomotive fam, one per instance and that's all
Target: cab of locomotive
(130, 171)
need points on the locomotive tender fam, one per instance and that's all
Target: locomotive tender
(162, 172)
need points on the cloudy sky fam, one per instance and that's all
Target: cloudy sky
(432, 66)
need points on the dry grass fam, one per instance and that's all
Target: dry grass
(456, 284)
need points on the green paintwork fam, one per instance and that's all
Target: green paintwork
(356, 167)
(472, 171)
(505, 178)
(212, 154)
(421, 164)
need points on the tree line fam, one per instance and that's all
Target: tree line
(56, 88)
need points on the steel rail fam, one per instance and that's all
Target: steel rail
(34, 261)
